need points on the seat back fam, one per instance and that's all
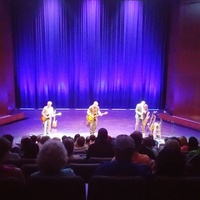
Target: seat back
(28, 169)
(77, 160)
(175, 188)
(27, 161)
(113, 188)
(98, 159)
(11, 186)
(56, 187)
(85, 170)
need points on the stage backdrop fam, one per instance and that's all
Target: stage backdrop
(73, 52)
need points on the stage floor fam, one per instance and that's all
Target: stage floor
(73, 121)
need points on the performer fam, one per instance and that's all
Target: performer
(92, 116)
(141, 116)
(47, 114)
(146, 116)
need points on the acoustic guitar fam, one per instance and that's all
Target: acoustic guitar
(90, 118)
(43, 118)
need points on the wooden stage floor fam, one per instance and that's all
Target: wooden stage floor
(73, 121)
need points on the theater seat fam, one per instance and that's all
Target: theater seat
(12, 187)
(85, 170)
(98, 159)
(117, 188)
(56, 188)
(28, 169)
(175, 188)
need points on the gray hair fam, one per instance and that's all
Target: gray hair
(52, 156)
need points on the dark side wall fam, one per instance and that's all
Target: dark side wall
(7, 91)
(183, 78)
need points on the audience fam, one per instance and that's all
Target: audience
(52, 160)
(177, 157)
(122, 164)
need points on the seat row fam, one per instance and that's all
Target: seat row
(22, 161)
(101, 188)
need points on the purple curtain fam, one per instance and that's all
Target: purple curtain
(73, 52)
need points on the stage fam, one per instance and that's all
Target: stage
(73, 121)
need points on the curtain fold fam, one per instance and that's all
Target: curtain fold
(73, 52)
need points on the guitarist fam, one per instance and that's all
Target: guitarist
(47, 114)
(141, 116)
(93, 112)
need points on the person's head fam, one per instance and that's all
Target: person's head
(143, 102)
(193, 143)
(124, 147)
(170, 160)
(52, 157)
(25, 142)
(95, 103)
(172, 143)
(137, 137)
(49, 103)
(148, 142)
(5, 147)
(183, 140)
(102, 135)
(34, 138)
(76, 136)
(56, 138)
(9, 137)
(80, 142)
(43, 139)
(145, 107)
(63, 137)
(69, 145)
(92, 138)
(31, 150)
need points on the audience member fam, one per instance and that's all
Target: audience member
(138, 157)
(148, 148)
(8, 170)
(102, 146)
(34, 138)
(193, 155)
(122, 164)
(52, 160)
(92, 139)
(170, 160)
(29, 148)
(11, 157)
(76, 136)
(63, 137)
(80, 144)
(193, 144)
(183, 143)
(42, 140)
(69, 145)
(15, 148)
